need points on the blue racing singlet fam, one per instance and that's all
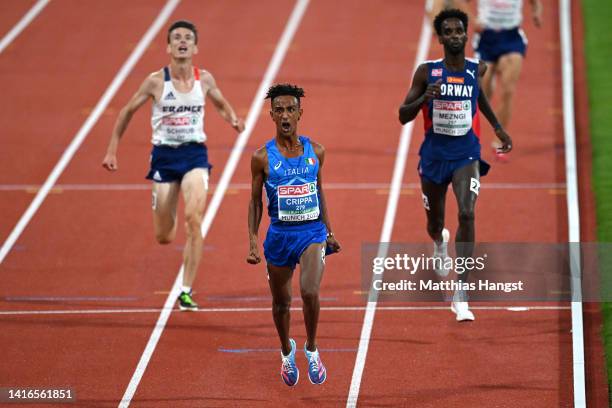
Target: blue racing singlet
(291, 187)
(452, 127)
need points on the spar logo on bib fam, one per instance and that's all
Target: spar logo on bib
(180, 121)
(298, 202)
(452, 118)
(297, 190)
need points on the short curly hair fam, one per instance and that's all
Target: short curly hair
(450, 13)
(285, 89)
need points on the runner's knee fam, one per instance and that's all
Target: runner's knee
(193, 221)
(508, 84)
(165, 229)
(309, 294)
(281, 306)
(507, 91)
(466, 216)
(163, 238)
(435, 225)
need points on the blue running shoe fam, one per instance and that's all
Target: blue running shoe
(316, 370)
(289, 371)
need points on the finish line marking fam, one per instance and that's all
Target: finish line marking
(268, 309)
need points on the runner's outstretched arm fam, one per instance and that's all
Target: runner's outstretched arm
(536, 12)
(223, 106)
(145, 92)
(485, 108)
(331, 239)
(258, 163)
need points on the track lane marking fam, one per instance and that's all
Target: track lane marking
(22, 24)
(268, 309)
(573, 209)
(86, 128)
(232, 162)
(385, 236)
(33, 188)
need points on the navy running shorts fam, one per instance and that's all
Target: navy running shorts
(441, 171)
(490, 45)
(170, 163)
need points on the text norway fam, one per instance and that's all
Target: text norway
(456, 90)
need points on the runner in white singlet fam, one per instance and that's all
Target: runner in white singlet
(501, 43)
(179, 159)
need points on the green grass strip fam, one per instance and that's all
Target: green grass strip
(598, 47)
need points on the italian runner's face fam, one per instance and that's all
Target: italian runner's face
(286, 113)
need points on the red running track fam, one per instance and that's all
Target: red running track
(95, 249)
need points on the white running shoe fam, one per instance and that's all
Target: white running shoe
(460, 307)
(441, 252)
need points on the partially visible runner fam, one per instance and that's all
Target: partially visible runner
(290, 167)
(501, 42)
(179, 159)
(448, 93)
(434, 7)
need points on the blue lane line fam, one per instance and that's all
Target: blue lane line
(276, 350)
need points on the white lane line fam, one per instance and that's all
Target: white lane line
(87, 126)
(22, 24)
(268, 309)
(246, 186)
(573, 210)
(254, 112)
(385, 237)
(230, 167)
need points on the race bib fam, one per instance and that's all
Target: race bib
(298, 203)
(452, 118)
(180, 129)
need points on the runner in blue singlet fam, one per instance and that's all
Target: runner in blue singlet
(300, 231)
(448, 91)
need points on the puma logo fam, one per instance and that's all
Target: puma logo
(472, 73)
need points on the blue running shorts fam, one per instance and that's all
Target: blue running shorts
(170, 164)
(490, 45)
(284, 245)
(441, 171)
